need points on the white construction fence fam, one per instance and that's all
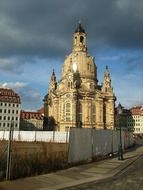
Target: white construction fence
(84, 144)
(37, 136)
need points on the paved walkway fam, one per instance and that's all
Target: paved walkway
(76, 175)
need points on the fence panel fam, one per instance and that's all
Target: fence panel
(102, 142)
(80, 145)
(39, 136)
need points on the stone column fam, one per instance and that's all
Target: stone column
(111, 113)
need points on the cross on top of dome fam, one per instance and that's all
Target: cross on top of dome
(79, 28)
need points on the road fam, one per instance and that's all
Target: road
(131, 178)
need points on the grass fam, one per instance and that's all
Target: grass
(30, 159)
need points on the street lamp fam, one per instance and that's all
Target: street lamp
(120, 150)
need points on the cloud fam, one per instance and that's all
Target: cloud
(110, 58)
(132, 60)
(44, 28)
(28, 94)
(15, 85)
(11, 65)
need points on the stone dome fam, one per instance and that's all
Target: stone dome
(84, 63)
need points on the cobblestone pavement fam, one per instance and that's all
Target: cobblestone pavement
(131, 178)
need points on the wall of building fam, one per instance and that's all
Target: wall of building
(9, 115)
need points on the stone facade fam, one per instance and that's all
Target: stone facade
(77, 100)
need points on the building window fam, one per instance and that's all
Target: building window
(16, 111)
(75, 40)
(3, 124)
(93, 113)
(8, 111)
(4, 117)
(81, 39)
(0, 110)
(5, 104)
(8, 118)
(68, 111)
(79, 112)
(4, 110)
(68, 84)
(12, 111)
(1, 104)
(0, 117)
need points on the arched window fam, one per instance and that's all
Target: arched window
(68, 84)
(75, 40)
(88, 66)
(81, 39)
(68, 111)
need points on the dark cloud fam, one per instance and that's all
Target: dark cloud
(45, 27)
(11, 65)
(135, 63)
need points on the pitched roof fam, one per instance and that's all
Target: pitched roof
(136, 110)
(8, 95)
(31, 115)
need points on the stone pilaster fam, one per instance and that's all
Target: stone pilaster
(99, 113)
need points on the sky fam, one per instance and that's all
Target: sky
(35, 37)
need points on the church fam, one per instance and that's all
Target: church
(77, 100)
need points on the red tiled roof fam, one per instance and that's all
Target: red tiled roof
(8, 95)
(31, 115)
(41, 110)
(136, 110)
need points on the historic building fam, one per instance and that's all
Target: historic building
(31, 121)
(135, 119)
(77, 100)
(10, 106)
(129, 119)
(121, 118)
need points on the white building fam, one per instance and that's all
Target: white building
(10, 105)
(135, 119)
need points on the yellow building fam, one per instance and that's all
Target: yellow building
(77, 100)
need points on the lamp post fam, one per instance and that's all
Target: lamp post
(9, 151)
(120, 149)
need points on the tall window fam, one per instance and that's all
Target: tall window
(75, 40)
(80, 111)
(68, 108)
(93, 113)
(81, 39)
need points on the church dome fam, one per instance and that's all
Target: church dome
(79, 60)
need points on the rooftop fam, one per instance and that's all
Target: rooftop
(8, 95)
(31, 115)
